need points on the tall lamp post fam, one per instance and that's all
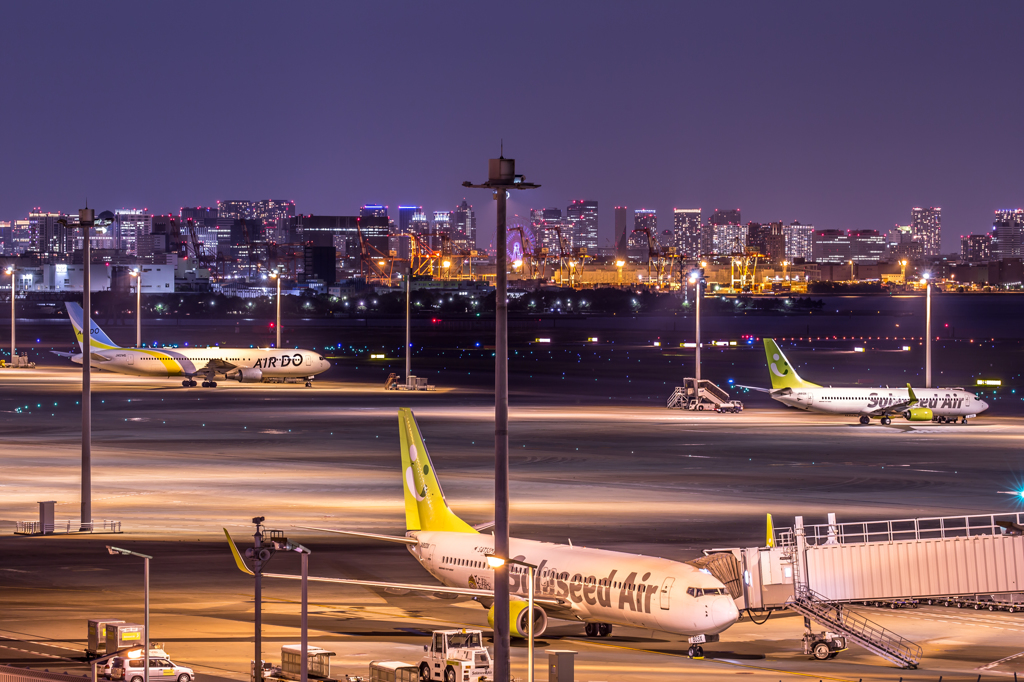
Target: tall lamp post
(12, 271)
(927, 330)
(501, 177)
(86, 218)
(145, 572)
(137, 274)
(495, 562)
(697, 279)
(277, 275)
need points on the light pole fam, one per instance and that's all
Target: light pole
(853, 277)
(137, 274)
(697, 279)
(927, 330)
(86, 217)
(408, 323)
(145, 571)
(287, 546)
(12, 271)
(495, 562)
(277, 275)
(501, 177)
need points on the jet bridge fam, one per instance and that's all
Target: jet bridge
(819, 570)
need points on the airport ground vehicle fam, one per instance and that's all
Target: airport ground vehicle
(131, 670)
(456, 656)
(824, 645)
(393, 671)
(703, 395)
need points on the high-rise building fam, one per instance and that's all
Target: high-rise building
(405, 214)
(729, 216)
(544, 223)
(21, 236)
(200, 221)
(799, 241)
(831, 246)
(5, 237)
(47, 235)
(129, 225)
(1008, 234)
(339, 232)
(581, 217)
(769, 240)
(373, 211)
(236, 209)
(976, 248)
(273, 215)
(867, 247)
(645, 220)
(442, 226)
(374, 225)
(926, 224)
(464, 226)
(686, 235)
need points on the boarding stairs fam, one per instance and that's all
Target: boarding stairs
(698, 395)
(840, 619)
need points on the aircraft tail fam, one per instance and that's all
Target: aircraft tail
(425, 506)
(98, 340)
(782, 373)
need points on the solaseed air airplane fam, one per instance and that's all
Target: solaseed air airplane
(921, 405)
(598, 587)
(246, 365)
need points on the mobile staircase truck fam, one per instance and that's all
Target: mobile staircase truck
(702, 395)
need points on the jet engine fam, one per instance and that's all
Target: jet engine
(517, 616)
(248, 375)
(918, 414)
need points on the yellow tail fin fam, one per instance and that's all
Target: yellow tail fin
(425, 506)
(782, 373)
(770, 533)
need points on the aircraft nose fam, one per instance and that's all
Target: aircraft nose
(984, 405)
(724, 613)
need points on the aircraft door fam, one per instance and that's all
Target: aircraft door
(666, 591)
(131, 358)
(309, 361)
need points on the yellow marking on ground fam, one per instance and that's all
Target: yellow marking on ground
(711, 660)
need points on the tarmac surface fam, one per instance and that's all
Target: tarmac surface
(605, 465)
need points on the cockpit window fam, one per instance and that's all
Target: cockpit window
(321, 358)
(704, 591)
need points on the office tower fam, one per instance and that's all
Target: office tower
(373, 211)
(441, 227)
(976, 248)
(581, 217)
(644, 220)
(799, 241)
(687, 232)
(867, 247)
(198, 226)
(544, 222)
(769, 240)
(621, 231)
(5, 237)
(926, 224)
(328, 230)
(405, 218)
(47, 236)
(21, 236)
(728, 239)
(129, 225)
(1008, 234)
(273, 216)
(236, 209)
(730, 216)
(374, 225)
(463, 220)
(831, 246)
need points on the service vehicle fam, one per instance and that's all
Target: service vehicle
(823, 645)
(131, 669)
(393, 671)
(456, 656)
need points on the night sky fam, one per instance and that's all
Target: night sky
(843, 115)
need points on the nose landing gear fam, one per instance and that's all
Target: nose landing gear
(695, 651)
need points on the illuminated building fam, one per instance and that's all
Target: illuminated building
(463, 220)
(926, 225)
(686, 227)
(831, 246)
(129, 225)
(47, 236)
(728, 239)
(643, 219)
(274, 215)
(976, 248)
(867, 247)
(543, 221)
(799, 241)
(581, 217)
(236, 209)
(730, 216)
(375, 227)
(1007, 233)
(769, 240)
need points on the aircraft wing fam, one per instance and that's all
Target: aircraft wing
(372, 536)
(895, 408)
(380, 584)
(64, 355)
(754, 388)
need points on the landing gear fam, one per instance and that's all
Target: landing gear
(186, 383)
(209, 384)
(604, 629)
(886, 421)
(206, 384)
(309, 384)
(695, 651)
(865, 420)
(590, 629)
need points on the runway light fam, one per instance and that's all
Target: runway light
(690, 344)
(990, 382)
(858, 349)
(906, 347)
(543, 340)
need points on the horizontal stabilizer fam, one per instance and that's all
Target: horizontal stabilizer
(359, 534)
(481, 527)
(754, 388)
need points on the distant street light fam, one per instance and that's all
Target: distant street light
(697, 279)
(145, 574)
(927, 330)
(11, 270)
(495, 561)
(137, 274)
(277, 275)
(619, 264)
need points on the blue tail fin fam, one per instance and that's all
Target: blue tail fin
(98, 339)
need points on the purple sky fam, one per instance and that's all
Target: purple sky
(844, 115)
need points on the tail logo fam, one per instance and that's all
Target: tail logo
(411, 483)
(775, 370)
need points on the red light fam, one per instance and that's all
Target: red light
(271, 325)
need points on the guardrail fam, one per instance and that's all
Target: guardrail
(939, 527)
(65, 527)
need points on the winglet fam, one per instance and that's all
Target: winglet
(769, 533)
(238, 557)
(910, 391)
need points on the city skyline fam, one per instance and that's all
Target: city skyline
(824, 121)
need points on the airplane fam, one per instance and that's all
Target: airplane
(598, 587)
(943, 405)
(245, 365)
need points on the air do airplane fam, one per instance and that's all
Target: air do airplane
(599, 587)
(245, 365)
(921, 405)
